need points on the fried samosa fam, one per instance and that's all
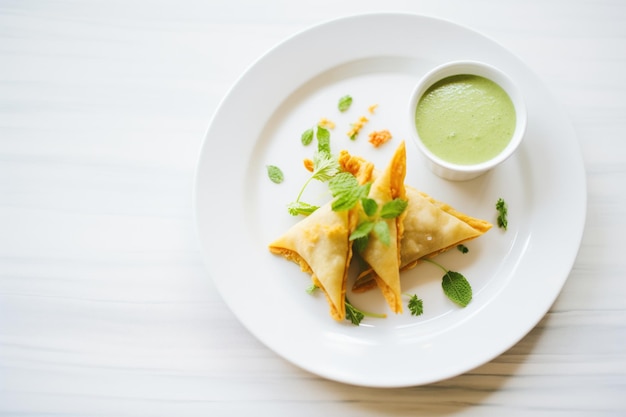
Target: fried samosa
(384, 257)
(430, 228)
(320, 244)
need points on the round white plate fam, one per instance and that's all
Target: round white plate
(377, 58)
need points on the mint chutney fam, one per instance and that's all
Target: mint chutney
(465, 119)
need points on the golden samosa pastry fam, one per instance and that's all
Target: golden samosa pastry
(383, 258)
(430, 228)
(320, 244)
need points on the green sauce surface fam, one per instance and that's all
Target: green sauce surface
(465, 119)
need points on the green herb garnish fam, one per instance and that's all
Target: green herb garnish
(353, 314)
(312, 288)
(275, 174)
(462, 248)
(344, 103)
(416, 305)
(375, 221)
(324, 168)
(347, 191)
(502, 214)
(356, 315)
(307, 137)
(300, 207)
(323, 140)
(454, 285)
(393, 208)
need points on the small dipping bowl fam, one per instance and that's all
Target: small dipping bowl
(461, 171)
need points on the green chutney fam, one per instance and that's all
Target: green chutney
(465, 119)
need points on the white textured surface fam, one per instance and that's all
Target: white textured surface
(105, 306)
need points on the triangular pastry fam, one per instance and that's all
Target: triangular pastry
(320, 244)
(382, 258)
(430, 228)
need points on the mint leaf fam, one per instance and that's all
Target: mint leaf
(323, 141)
(457, 288)
(362, 230)
(307, 137)
(347, 199)
(345, 187)
(361, 243)
(299, 207)
(393, 208)
(381, 229)
(370, 206)
(275, 174)
(342, 182)
(344, 103)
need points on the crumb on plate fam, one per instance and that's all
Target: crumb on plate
(379, 137)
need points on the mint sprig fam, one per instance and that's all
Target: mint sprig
(346, 190)
(455, 285)
(375, 221)
(325, 167)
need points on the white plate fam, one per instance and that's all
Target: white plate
(516, 275)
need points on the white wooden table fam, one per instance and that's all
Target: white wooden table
(105, 305)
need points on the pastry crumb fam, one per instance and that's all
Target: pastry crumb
(356, 127)
(328, 124)
(379, 137)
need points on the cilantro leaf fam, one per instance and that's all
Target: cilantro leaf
(275, 174)
(462, 248)
(344, 103)
(356, 315)
(393, 208)
(416, 305)
(307, 137)
(353, 314)
(502, 214)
